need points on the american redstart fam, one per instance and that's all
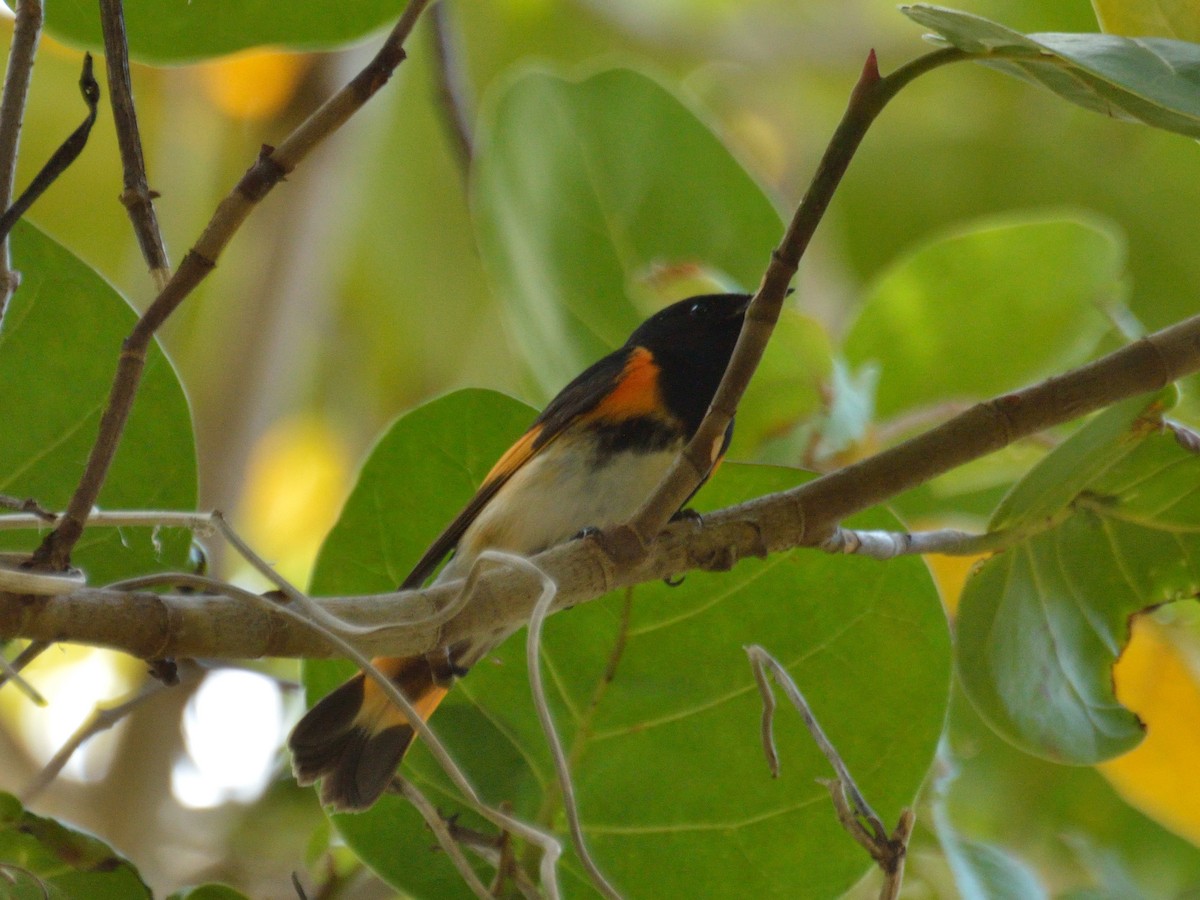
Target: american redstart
(588, 461)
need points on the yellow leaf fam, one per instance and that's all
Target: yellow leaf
(1156, 680)
(1178, 19)
(296, 480)
(254, 85)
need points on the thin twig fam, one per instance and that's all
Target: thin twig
(198, 522)
(884, 545)
(61, 158)
(137, 197)
(318, 613)
(26, 29)
(28, 505)
(272, 166)
(445, 840)
(32, 651)
(103, 717)
(868, 98)
(9, 672)
(551, 849)
(451, 85)
(562, 769)
(853, 811)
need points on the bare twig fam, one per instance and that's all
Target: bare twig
(26, 29)
(885, 545)
(102, 718)
(199, 522)
(272, 166)
(853, 811)
(137, 197)
(10, 672)
(451, 85)
(551, 849)
(868, 98)
(61, 158)
(445, 840)
(32, 651)
(28, 505)
(562, 769)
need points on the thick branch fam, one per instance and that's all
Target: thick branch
(152, 626)
(270, 168)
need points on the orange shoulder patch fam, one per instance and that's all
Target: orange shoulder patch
(636, 392)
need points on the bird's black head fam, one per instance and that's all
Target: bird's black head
(692, 341)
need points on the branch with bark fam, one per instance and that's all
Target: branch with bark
(150, 625)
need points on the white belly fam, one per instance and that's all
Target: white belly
(556, 495)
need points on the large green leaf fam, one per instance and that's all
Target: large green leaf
(941, 320)
(1150, 80)
(674, 791)
(1049, 487)
(1041, 623)
(580, 187)
(175, 31)
(42, 858)
(58, 352)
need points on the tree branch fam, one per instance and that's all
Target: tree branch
(26, 29)
(408, 623)
(868, 98)
(451, 86)
(272, 166)
(854, 813)
(137, 197)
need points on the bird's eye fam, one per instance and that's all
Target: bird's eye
(696, 310)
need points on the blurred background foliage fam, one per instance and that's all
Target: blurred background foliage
(356, 292)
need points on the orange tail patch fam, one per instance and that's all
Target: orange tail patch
(354, 738)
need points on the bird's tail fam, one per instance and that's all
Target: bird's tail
(354, 738)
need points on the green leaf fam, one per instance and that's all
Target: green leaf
(1150, 80)
(1051, 485)
(581, 187)
(673, 788)
(415, 479)
(1041, 624)
(58, 352)
(41, 857)
(786, 388)
(985, 872)
(1059, 805)
(987, 308)
(208, 892)
(177, 31)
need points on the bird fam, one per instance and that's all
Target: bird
(588, 461)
